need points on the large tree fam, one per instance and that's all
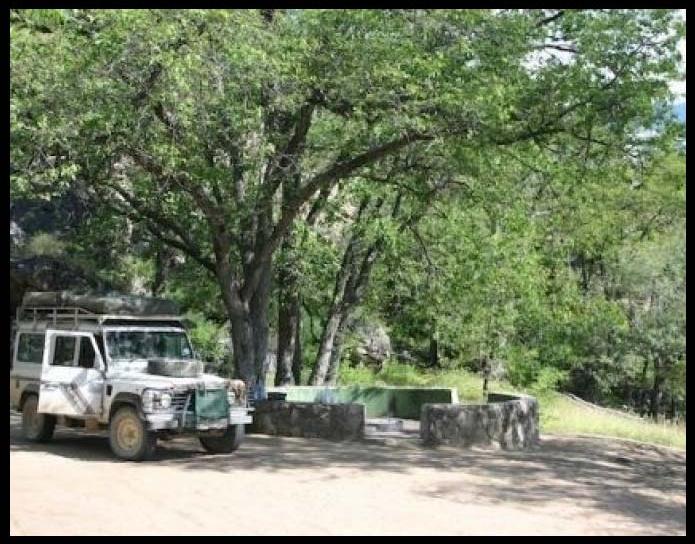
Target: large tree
(216, 129)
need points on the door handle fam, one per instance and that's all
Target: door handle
(50, 385)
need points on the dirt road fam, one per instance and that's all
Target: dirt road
(283, 486)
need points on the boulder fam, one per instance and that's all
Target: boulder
(373, 344)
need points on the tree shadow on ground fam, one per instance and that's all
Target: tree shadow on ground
(643, 483)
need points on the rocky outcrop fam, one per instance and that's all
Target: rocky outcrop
(44, 274)
(506, 422)
(372, 344)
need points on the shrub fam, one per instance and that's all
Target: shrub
(45, 244)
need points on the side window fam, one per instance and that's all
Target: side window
(86, 356)
(30, 349)
(64, 353)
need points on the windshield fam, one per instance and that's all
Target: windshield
(132, 345)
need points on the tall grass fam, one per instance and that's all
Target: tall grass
(562, 415)
(558, 413)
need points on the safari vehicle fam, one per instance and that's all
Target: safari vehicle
(121, 363)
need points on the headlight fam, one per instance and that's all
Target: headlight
(153, 400)
(148, 400)
(165, 401)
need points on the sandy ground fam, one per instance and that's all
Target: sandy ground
(285, 486)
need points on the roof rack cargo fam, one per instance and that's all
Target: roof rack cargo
(55, 305)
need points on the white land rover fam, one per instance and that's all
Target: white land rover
(121, 363)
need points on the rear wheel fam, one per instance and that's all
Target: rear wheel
(35, 426)
(129, 437)
(227, 443)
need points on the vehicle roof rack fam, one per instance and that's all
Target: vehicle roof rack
(56, 314)
(65, 307)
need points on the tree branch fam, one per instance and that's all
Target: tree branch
(184, 242)
(558, 47)
(551, 18)
(287, 158)
(337, 171)
(213, 213)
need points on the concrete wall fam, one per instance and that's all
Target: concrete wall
(506, 421)
(309, 420)
(403, 402)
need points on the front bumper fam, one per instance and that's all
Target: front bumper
(238, 415)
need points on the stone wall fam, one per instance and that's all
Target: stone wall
(309, 420)
(382, 401)
(506, 421)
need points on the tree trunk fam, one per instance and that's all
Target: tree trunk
(347, 296)
(242, 339)
(323, 358)
(434, 351)
(298, 359)
(289, 311)
(656, 391)
(160, 263)
(336, 352)
(249, 322)
(259, 319)
(335, 313)
(288, 328)
(350, 285)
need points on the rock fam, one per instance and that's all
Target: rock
(373, 344)
(44, 274)
(498, 369)
(405, 356)
(17, 236)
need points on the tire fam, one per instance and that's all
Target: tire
(35, 426)
(128, 436)
(227, 443)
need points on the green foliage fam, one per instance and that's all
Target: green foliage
(208, 338)
(397, 374)
(523, 366)
(44, 243)
(548, 379)
(538, 223)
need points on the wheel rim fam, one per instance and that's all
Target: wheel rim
(32, 419)
(128, 434)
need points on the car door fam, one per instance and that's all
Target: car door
(72, 377)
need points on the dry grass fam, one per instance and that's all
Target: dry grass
(562, 415)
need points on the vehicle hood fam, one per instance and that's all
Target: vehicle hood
(147, 380)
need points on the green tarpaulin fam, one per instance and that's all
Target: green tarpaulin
(211, 405)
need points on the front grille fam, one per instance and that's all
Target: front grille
(179, 398)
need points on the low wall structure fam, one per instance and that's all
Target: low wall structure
(383, 401)
(309, 420)
(506, 421)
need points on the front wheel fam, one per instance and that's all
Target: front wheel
(35, 426)
(227, 443)
(128, 436)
